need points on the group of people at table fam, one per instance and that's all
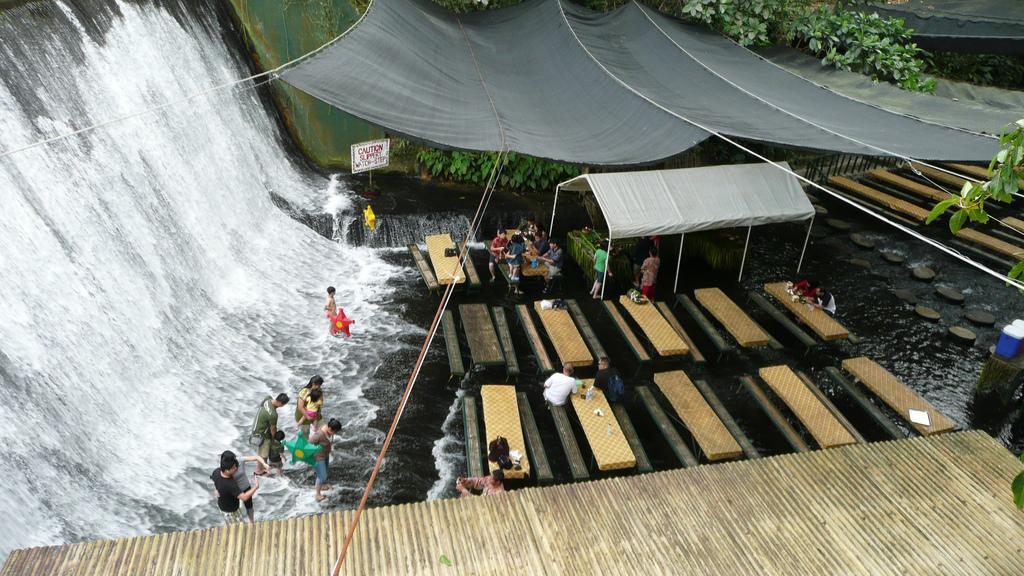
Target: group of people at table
(529, 241)
(557, 389)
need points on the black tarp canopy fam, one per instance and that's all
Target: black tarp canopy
(554, 80)
(975, 26)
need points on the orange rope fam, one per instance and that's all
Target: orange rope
(473, 226)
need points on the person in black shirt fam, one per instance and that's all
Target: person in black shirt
(608, 380)
(226, 487)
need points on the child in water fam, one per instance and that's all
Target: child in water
(330, 307)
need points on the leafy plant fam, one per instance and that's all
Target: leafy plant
(985, 69)
(1005, 169)
(519, 172)
(749, 22)
(867, 43)
(1018, 488)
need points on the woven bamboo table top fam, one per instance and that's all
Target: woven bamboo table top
(828, 432)
(659, 332)
(501, 418)
(889, 201)
(909, 185)
(897, 395)
(816, 319)
(746, 332)
(700, 419)
(562, 332)
(607, 442)
(1001, 247)
(446, 268)
(927, 505)
(484, 347)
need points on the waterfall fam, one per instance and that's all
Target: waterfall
(151, 290)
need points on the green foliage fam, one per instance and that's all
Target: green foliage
(520, 172)
(985, 69)
(1005, 179)
(749, 22)
(867, 43)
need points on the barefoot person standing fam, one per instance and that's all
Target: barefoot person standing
(322, 437)
(329, 306)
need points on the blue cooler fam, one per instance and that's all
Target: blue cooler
(1009, 341)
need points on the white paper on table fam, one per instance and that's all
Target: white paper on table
(920, 417)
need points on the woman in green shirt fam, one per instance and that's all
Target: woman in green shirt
(600, 269)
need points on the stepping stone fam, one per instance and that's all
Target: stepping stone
(980, 317)
(927, 313)
(838, 224)
(862, 241)
(892, 257)
(860, 262)
(962, 334)
(905, 295)
(821, 210)
(923, 273)
(950, 294)
(812, 198)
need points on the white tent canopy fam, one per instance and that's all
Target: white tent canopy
(666, 202)
(688, 200)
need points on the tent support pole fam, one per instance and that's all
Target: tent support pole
(804, 250)
(607, 263)
(679, 262)
(744, 260)
(551, 229)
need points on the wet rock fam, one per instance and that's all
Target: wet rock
(905, 295)
(980, 317)
(838, 224)
(892, 257)
(923, 273)
(862, 240)
(962, 334)
(820, 210)
(950, 294)
(927, 313)
(861, 263)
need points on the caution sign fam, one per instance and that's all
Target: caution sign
(370, 155)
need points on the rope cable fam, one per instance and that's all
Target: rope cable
(442, 306)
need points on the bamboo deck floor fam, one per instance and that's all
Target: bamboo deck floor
(665, 340)
(742, 327)
(827, 430)
(980, 172)
(564, 336)
(897, 395)
(817, 319)
(933, 194)
(1015, 223)
(501, 418)
(702, 422)
(607, 441)
(446, 268)
(878, 197)
(927, 505)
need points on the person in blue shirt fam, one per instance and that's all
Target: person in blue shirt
(514, 255)
(553, 258)
(540, 242)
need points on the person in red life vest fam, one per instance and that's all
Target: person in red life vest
(341, 323)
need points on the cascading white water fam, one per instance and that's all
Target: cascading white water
(150, 292)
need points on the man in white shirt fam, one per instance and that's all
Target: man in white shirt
(558, 386)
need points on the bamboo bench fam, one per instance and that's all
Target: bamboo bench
(705, 325)
(695, 353)
(747, 333)
(538, 455)
(803, 337)
(1001, 247)
(826, 429)
(927, 192)
(544, 363)
(702, 422)
(505, 337)
(585, 330)
(577, 466)
(451, 341)
(627, 333)
(643, 463)
(501, 418)
(914, 211)
(421, 264)
(663, 338)
(473, 279)
(897, 395)
(474, 449)
(484, 348)
(668, 431)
